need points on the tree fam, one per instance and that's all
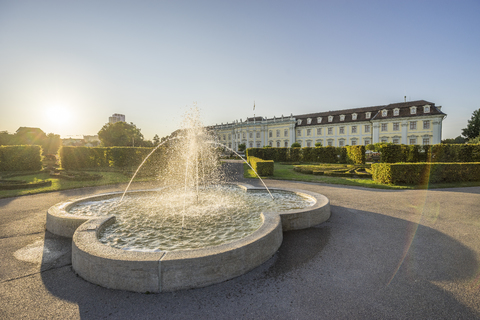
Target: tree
(120, 134)
(318, 144)
(242, 147)
(156, 140)
(457, 140)
(474, 140)
(473, 128)
(296, 145)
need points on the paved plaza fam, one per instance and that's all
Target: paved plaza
(382, 255)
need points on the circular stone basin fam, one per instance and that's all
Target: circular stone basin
(157, 270)
(170, 220)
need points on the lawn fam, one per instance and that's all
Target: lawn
(286, 172)
(108, 178)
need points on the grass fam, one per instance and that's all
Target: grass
(58, 184)
(285, 172)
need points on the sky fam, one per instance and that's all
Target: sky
(66, 66)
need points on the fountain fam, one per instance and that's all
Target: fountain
(194, 230)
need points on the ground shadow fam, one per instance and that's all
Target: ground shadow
(359, 264)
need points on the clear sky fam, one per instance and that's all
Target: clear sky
(66, 66)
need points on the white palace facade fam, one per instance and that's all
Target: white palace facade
(414, 122)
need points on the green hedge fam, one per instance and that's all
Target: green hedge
(426, 172)
(20, 158)
(328, 154)
(394, 153)
(77, 158)
(262, 167)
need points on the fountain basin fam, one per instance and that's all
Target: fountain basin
(175, 270)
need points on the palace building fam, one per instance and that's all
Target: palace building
(413, 122)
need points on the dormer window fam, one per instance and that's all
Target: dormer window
(426, 109)
(368, 115)
(309, 120)
(413, 110)
(354, 116)
(384, 113)
(396, 112)
(342, 117)
(330, 118)
(319, 119)
(299, 121)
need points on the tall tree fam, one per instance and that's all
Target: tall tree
(120, 134)
(473, 128)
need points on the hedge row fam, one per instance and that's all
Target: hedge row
(262, 167)
(426, 172)
(75, 158)
(20, 158)
(328, 154)
(393, 153)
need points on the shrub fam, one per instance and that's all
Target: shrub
(356, 154)
(20, 158)
(262, 167)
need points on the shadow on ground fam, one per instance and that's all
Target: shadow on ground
(357, 265)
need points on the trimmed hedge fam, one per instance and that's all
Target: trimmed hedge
(77, 158)
(328, 154)
(394, 153)
(426, 172)
(20, 158)
(262, 167)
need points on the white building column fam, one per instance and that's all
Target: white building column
(437, 131)
(376, 132)
(292, 134)
(404, 132)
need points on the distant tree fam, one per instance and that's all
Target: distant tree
(473, 128)
(6, 138)
(318, 144)
(296, 145)
(120, 134)
(242, 147)
(156, 139)
(457, 140)
(51, 144)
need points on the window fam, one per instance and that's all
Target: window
(330, 130)
(413, 125)
(309, 120)
(396, 141)
(413, 140)
(278, 144)
(224, 137)
(309, 143)
(341, 143)
(396, 112)
(426, 124)
(229, 144)
(319, 119)
(368, 115)
(258, 144)
(270, 134)
(330, 118)
(299, 121)
(384, 126)
(384, 113)
(384, 140)
(229, 137)
(342, 117)
(299, 133)
(285, 133)
(319, 131)
(286, 144)
(251, 144)
(413, 110)
(354, 129)
(270, 144)
(250, 135)
(342, 130)
(426, 141)
(396, 126)
(330, 143)
(367, 141)
(426, 109)
(278, 133)
(244, 135)
(309, 132)
(258, 135)
(354, 116)
(367, 128)
(354, 142)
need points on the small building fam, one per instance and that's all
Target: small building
(116, 117)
